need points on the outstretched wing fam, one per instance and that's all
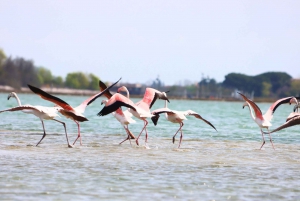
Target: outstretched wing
(198, 116)
(292, 122)
(88, 101)
(21, 108)
(256, 109)
(102, 87)
(44, 95)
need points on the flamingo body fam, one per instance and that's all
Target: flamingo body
(75, 114)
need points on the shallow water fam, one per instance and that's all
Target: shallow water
(210, 165)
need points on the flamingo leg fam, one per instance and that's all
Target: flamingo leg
(270, 138)
(128, 135)
(78, 133)
(137, 139)
(44, 135)
(176, 133)
(262, 134)
(180, 135)
(146, 132)
(64, 124)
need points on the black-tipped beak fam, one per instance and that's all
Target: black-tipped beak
(167, 99)
(243, 106)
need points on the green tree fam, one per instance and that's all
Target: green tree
(94, 82)
(266, 89)
(77, 80)
(44, 75)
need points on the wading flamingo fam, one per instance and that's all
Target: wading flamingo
(145, 104)
(44, 113)
(264, 121)
(176, 117)
(124, 117)
(76, 114)
(292, 120)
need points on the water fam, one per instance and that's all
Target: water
(210, 165)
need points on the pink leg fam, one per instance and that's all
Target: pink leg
(78, 133)
(128, 135)
(180, 135)
(177, 132)
(262, 134)
(63, 123)
(137, 139)
(43, 134)
(146, 132)
(271, 138)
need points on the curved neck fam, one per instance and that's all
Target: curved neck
(127, 92)
(16, 97)
(251, 113)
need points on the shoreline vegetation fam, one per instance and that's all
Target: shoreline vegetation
(16, 73)
(85, 92)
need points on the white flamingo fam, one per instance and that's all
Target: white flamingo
(44, 113)
(76, 114)
(263, 121)
(176, 117)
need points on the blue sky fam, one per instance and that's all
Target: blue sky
(140, 40)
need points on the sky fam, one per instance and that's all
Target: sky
(177, 41)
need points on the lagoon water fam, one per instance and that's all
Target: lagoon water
(210, 165)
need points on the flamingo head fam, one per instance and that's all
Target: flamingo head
(163, 96)
(104, 102)
(12, 94)
(294, 100)
(122, 88)
(245, 104)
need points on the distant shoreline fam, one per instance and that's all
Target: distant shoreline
(85, 92)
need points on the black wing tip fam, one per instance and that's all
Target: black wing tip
(155, 119)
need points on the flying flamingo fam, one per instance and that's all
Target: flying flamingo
(145, 104)
(292, 120)
(124, 117)
(75, 114)
(264, 121)
(176, 117)
(44, 113)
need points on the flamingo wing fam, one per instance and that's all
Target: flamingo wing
(44, 95)
(256, 109)
(292, 122)
(20, 108)
(113, 107)
(198, 116)
(275, 105)
(102, 87)
(91, 99)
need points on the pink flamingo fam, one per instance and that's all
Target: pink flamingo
(264, 121)
(75, 114)
(123, 117)
(292, 120)
(176, 117)
(145, 105)
(44, 113)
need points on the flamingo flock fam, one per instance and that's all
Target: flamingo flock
(142, 110)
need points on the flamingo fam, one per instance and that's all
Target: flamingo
(176, 117)
(44, 113)
(123, 117)
(264, 121)
(292, 120)
(150, 96)
(75, 114)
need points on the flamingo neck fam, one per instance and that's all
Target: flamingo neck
(166, 104)
(17, 98)
(127, 92)
(251, 113)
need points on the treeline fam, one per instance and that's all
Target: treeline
(18, 72)
(270, 84)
